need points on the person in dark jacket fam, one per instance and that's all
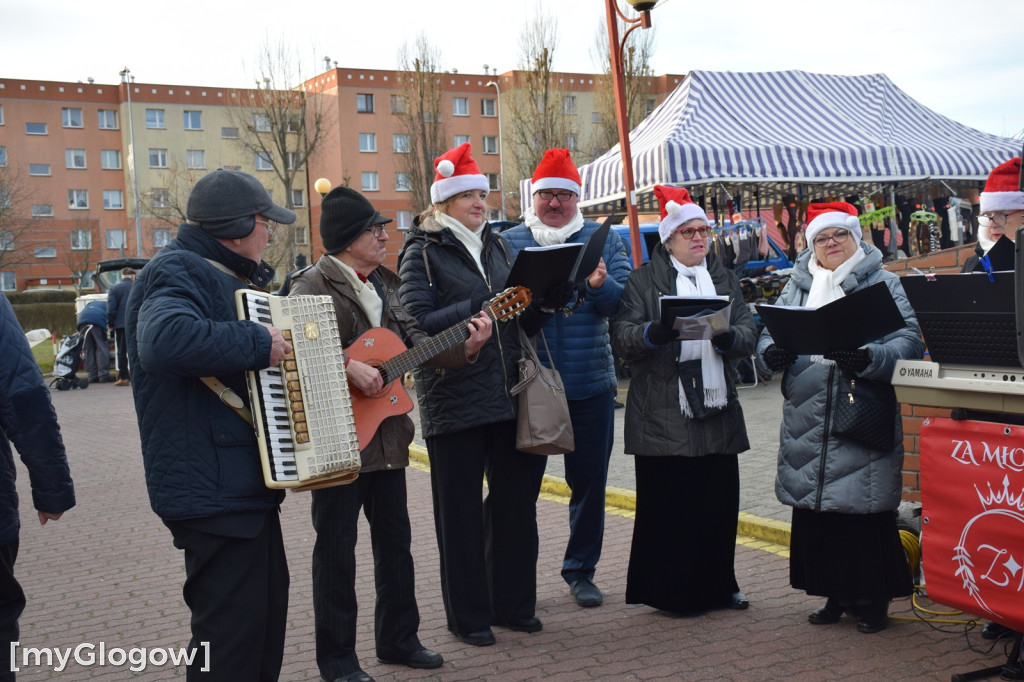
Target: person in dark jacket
(117, 303)
(580, 352)
(451, 264)
(92, 325)
(1001, 207)
(685, 442)
(366, 297)
(201, 460)
(28, 420)
(845, 544)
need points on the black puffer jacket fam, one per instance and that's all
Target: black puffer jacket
(441, 285)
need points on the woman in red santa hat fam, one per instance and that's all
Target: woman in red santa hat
(451, 265)
(683, 423)
(844, 545)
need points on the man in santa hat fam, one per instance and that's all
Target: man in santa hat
(579, 344)
(1001, 212)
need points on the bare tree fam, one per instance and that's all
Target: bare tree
(637, 77)
(420, 108)
(167, 204)
(15, 218)
(79, 254)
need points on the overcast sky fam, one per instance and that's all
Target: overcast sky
(963, 59)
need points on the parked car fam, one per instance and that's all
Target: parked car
(649, 237)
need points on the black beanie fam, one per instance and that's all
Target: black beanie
(344, 215)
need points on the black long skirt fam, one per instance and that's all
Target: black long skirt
(684, 534)
(848, 556)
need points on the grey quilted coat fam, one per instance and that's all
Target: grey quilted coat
(817, 470)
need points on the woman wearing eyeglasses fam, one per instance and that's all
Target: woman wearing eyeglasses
(683, 422)
(1001, 212)
(844, 544)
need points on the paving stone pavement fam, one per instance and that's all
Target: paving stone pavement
(107, 573)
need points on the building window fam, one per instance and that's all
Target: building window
(262, 161)
(369, 181)
(493, 214)
(161, 236)
(461, 139)
(84, 278)
(81, 240)
(155, 118)
(364, 103)
(6, 240)
(8, 282)
(397, 104)
(159, 197)
(158, 158)
(301, 235)
(488, 107)
(35, 128)
(229, 133)
(78, 198)
(3, 156)
(1, 114)
(490, 144)
(193, 120)
(261, 123)
(39, 169)
(570, 141)
(74, 158)
(460, 106)
(115, 239)
(650, 104)
(400, 143)
(402, 182)
(403, 220)
(492, 181)
(569, 104)
(195, 158)
(113, 199)
(291, 160)
(71, 117)
(595, 117)
(110, 159)
(367, 142)
(107, 119)
(46, 252)
(298, 198)
(42, 210)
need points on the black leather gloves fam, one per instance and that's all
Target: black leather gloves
(853, 361)
(778, 358)
(559, 295)
(659, 334)
(724, 341)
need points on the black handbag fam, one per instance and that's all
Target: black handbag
(866, 412)
(692, 379)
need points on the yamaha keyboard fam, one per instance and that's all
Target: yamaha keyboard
(991, 389)
(302, 410)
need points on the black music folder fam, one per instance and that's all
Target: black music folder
(538, 268)
(844, 324)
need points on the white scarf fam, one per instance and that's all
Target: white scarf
(473, 241)
(549, 236)
(711, 366)
(827, 285)
(366, 294)
(985, 240)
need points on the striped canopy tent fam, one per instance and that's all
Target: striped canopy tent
(770, 134)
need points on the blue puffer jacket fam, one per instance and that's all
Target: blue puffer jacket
(200, 457)
(95, 314)
(117, 302)
(27, 419)
(579, 343)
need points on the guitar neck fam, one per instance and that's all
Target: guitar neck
(416, 356)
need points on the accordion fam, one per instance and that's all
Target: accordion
(301, 409)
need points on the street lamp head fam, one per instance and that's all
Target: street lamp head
(642, 5)
(491, 84)
(322, 186)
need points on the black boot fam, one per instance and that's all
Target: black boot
(873, 616)
(828, 614)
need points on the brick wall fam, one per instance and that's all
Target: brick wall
(947, 260)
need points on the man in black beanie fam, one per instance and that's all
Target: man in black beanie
(201, 460)
(366, 299)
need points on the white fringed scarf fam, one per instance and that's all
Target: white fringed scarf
(827, 285)
(696, 281)
(473, 241)
(549, 236)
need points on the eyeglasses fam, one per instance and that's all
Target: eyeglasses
(561, 196)
(690, 232)
(998, 219)
(839, 236)
(376, 230)
(271, 227)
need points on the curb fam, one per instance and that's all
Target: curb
(769, 530)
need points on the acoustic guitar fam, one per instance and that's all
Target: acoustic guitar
(385, 350)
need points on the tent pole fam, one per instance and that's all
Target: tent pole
(893, 225)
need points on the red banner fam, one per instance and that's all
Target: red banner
(972, 537)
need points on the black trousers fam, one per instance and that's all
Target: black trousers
(122, 354)
(382, 497)
(488, 547)
(237, 589)
(12, 603)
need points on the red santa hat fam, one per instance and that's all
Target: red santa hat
(556, 171)
(1002, 189)
(832, 214)
(676, 208)
(456, 172)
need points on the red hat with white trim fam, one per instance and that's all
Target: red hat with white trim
(676, 208)
(556, 171)
(1002, 189)
(456, 172)
(832, 214)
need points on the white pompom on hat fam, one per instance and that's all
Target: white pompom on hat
(832, 214)
(676, 209)
(1002, 189)
(556, 171)
(456, 172)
